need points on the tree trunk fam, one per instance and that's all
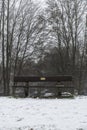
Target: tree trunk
(7, 52)
(3, 49)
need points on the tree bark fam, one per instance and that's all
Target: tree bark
(7, 52)
(3, 49)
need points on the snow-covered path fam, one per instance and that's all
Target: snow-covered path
(43, 114)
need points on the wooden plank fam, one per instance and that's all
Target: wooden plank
(51, 87)
(20, 86)
(43, 79)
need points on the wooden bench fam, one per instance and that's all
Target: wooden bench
(25, 80)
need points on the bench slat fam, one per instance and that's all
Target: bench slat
(20, 86)
(43, 79)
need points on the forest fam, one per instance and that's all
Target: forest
(43, 41)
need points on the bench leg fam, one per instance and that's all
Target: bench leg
(26, 91)
(13, 91)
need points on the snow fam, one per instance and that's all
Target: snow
(43, 114)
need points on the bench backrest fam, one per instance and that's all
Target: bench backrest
(59, 78)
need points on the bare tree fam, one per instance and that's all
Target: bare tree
(65, 18)
(30, 31)
(21, 32)
(3, 46)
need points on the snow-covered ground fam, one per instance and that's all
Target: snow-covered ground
(43, 114)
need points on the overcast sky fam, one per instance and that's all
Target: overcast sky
(40, 1)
